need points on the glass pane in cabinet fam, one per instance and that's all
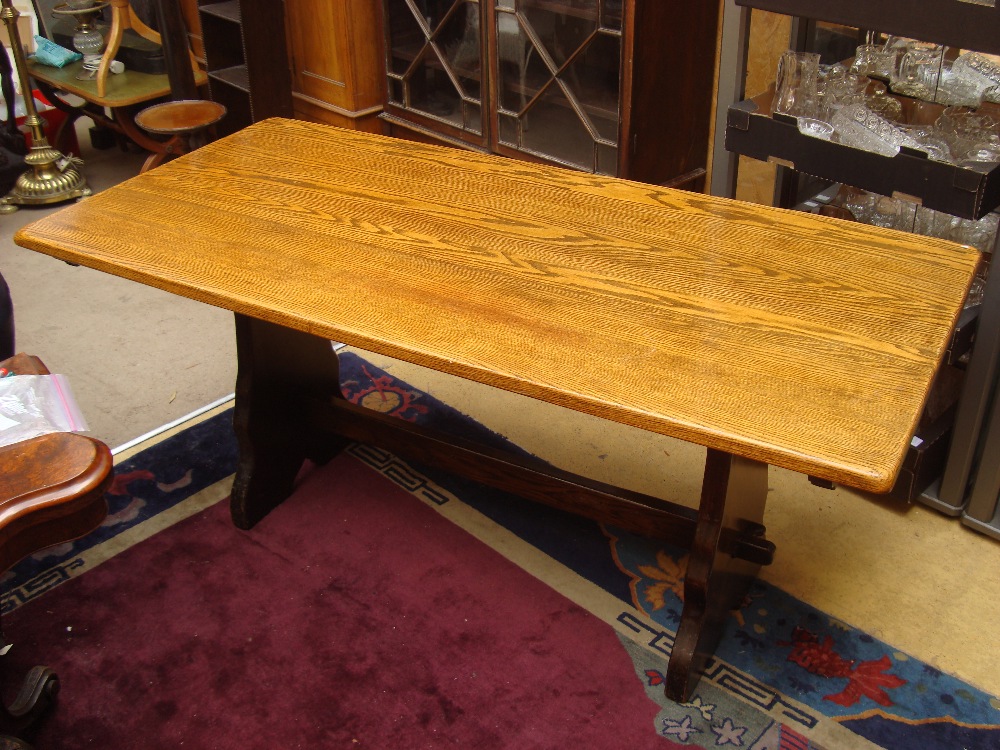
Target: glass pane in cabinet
(558, 78)
(594, 77)
(607, 13)
(473, 116)
(435, 58)
(405, 34)
(396, 91)
(551, 128)
(611, 14)
(607, 159)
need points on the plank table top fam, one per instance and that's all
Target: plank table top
(793, 339)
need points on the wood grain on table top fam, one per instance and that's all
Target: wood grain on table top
(798, 340)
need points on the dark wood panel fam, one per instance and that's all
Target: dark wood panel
(671, 92)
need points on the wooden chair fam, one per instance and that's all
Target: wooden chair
(123, 17)
(51, 491)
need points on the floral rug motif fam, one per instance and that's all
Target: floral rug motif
(803, 669)
(785, 677)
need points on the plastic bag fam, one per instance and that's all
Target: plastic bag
(49, 53)
(33, 405)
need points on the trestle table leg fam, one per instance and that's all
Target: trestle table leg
(279, 371)
(733, 495)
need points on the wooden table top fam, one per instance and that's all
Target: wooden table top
(124, 89)
(798, 340)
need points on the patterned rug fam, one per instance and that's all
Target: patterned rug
(785, 676)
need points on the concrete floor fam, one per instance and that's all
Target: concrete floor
(138, 358)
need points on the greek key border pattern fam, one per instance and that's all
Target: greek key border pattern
(718, 672)
(44, 581)
(398, 472)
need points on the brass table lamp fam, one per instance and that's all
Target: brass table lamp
(52, 177)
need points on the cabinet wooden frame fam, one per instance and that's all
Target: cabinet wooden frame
(335, 57)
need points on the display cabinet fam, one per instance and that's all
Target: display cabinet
(967, 191)
(246, 60)
(617, 87)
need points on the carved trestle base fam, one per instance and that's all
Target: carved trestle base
(289, 408)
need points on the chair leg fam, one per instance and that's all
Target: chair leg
(37, 693)
(6, 321)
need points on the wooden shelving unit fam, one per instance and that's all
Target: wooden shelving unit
(247, 61)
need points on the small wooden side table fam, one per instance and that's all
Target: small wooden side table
(124, 92)
(185, 121)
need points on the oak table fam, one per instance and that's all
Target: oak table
(765, 335)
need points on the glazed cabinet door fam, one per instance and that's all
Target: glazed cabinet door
(557, 87)
(434, 66)
(333, 50)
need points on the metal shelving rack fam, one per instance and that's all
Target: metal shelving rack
(969, 485)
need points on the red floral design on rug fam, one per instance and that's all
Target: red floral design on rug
(865, 680)
(383, 394)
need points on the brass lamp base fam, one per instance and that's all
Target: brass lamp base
(53, 178)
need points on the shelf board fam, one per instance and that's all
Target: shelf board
(951, 22)
(236, 76)
(228, 11)
(563, 8)
(969, 193)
